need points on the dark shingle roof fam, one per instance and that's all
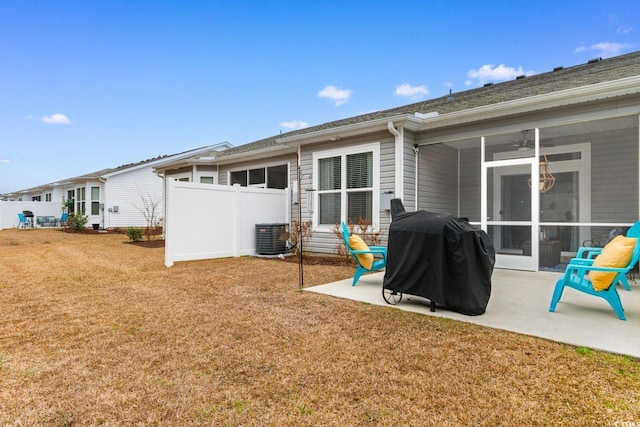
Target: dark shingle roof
(595, 71)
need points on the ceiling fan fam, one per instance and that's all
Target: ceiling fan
(524, 144)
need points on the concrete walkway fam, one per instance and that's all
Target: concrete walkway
(520, 303)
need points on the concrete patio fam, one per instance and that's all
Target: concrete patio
(520, 303)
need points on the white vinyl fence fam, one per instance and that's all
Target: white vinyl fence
(9, 211)
(205, 221)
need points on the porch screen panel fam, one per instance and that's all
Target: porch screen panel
(329, 185)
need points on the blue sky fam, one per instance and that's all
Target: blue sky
(86, 85)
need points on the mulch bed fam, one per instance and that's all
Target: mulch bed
(320, 260)
(155, 243)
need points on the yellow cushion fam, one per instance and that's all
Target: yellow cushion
(617, 253)
(357, 244)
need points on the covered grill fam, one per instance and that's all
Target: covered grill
(28, 215)
(439, 257)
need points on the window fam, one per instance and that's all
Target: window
(256, 177)
(36, 198)
(95, 200)
(347, 181)
(269, 177)
(239, 177)
(81, 200)
(47, 197)
(71, 200)
(206, 180)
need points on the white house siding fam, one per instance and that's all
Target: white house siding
(126, 191)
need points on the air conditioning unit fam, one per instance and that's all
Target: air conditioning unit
(271, 239)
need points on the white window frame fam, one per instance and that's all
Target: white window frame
(213, 179)
(95, 202)
(265, 166)
(343, 152)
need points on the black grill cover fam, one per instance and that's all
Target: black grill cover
(442, 258)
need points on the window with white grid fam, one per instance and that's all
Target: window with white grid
(347, 181)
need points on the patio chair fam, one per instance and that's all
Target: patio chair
(63, 219)
(23, 221)
(364, 255)
(591, 252)
(598, 276)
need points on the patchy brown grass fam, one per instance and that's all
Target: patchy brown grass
(94, 331)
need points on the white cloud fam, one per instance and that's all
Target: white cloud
(56, 119)
(624, 30)
(413, 92)
(3, 160)
(604, 49)
(491, 73)
(336, 95)
(295, 124)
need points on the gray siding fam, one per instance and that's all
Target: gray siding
(327, 242)
(470, 170)
(438, 179)
(614, 176)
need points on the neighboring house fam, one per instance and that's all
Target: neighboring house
(116, 197)
(473, 154)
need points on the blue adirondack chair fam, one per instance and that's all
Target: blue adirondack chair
(575, 276)
(377, 251)
(63, 219)
(590, 253)
(23, 221)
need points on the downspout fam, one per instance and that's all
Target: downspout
(416, 155)
(399, 154)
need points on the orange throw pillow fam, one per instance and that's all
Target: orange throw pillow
(357, 244)
(617, 253)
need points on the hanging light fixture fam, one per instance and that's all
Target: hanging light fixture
(547, 180)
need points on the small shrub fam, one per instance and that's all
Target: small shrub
(77, 222)
(134, 233)
(299, 232)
